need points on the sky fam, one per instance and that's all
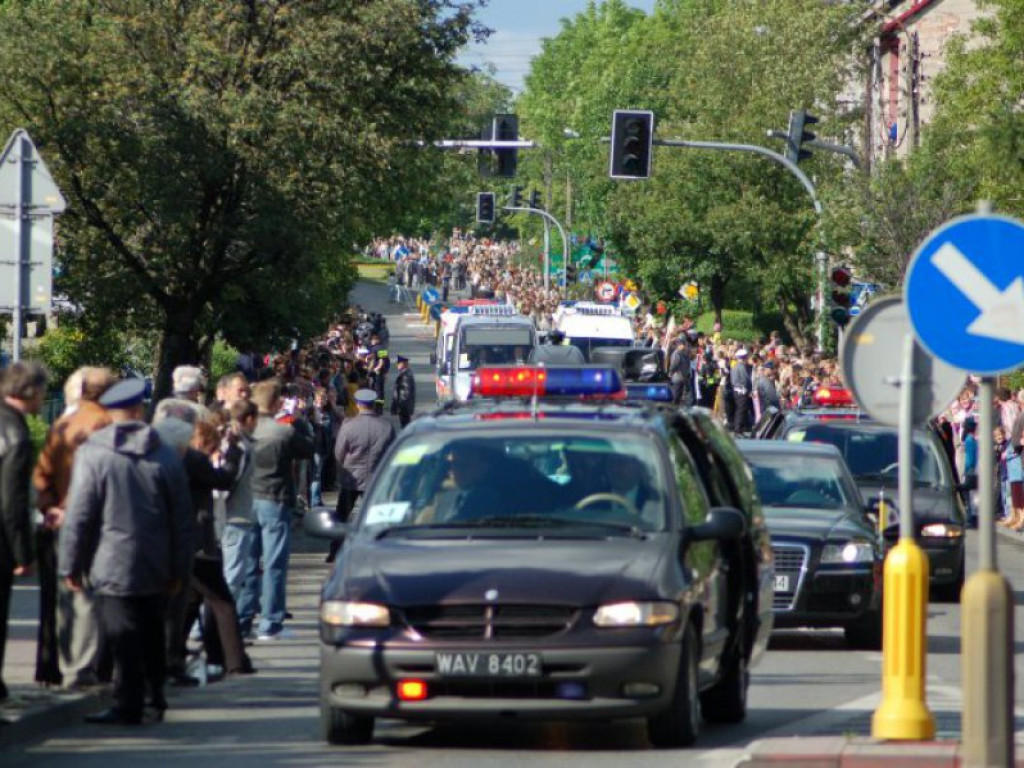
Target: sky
(519, 26)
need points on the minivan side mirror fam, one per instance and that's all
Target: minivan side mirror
(320, 523)
(721, 524)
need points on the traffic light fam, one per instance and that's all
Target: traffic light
(632, 144)
(798, 135)
(570, 273)
(506, 128)
(485, 207)
(535, 199)
(515, 197)
(841, 279)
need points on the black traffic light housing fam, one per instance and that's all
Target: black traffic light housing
(485, 207)
(632, 144)
(535, 199)
(506, 128)
(841, 279)
(515, 197)
(798, 135)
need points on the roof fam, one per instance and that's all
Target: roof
(788, 448)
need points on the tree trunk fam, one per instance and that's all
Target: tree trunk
(796, 326)
(717, 296)
(178, 346)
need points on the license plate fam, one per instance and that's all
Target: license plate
(781, 582)
(488, 664)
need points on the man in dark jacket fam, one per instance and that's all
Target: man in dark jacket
(680, 373)
(22, 390)
(742, 387)
(277, 447)
(403, 399)
(128, 537)
(360, 446)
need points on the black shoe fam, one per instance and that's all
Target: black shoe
(288, 615)
(113, 717)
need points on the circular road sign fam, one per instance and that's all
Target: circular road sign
(871, 360)
(965, 293)
(606, 291)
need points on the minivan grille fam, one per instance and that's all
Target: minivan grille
(489, 621)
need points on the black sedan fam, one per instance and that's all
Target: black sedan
(550, 562)
(828, 555)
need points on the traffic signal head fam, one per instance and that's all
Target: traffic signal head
(515, 197)
(798, 135)
(485, 207)
(535, 199)
(841, 299)
(632, 144)
(840, 316)
(842, 277)
(506, 128)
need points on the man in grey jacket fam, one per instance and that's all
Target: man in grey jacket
(277, 447)
(128, 537)
(361, 444)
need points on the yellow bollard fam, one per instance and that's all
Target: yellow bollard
(986, 658)
(903, 713)
(883, 513)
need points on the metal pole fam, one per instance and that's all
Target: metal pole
(22, 256)
(986, 471)
(558, 225)
(906, 440)
(547, 253)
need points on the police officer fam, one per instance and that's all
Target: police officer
(403, 398)
(361, 444)
(378, 366)
(127, 536)
(680, 373)
(556, 352)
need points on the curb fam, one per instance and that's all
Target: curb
(50, 712)
(843, 752)
(1002, 534)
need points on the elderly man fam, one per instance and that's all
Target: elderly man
(78, 639)
(128, 536)
(22, 390)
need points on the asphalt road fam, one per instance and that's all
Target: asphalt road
(808, 684)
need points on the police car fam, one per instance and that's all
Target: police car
(549, 550)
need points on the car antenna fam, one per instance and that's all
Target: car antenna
(534, 401)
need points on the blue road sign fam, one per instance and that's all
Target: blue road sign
(965, 294)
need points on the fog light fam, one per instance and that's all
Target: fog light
(412, 690)
(641, 690)
(349, 691)
(571, 691)
(855, 599)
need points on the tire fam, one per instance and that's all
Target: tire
(679, 725)
(340, 728)
(726, 700)
(867, 635)
(950, 593)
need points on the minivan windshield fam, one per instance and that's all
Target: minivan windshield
(872, 454)
(594, 485)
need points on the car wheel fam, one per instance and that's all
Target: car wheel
(341, 728)
(867, 635)
(679, 725)
(950, 593)
(726, 701)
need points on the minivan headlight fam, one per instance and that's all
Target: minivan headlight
(942, 531)
(345, 613)
(848, 552)
(636, 614)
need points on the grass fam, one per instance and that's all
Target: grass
(375, 273)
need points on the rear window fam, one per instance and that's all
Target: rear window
(873, 454)
(806, 482)
(562, 481)
(494, 346)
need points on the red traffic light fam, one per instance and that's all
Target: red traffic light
(842, 277)
(841, 299)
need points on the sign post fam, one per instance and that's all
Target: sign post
(29, 199)
(965, 294)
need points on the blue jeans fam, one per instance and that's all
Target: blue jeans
(272, 538)
(236, 544)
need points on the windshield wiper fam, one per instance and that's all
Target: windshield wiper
(513, 521)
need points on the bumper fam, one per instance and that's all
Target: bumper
(945, 559)
(361, 680)
(834, 599)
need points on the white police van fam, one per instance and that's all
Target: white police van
(469, 337)
(588, 325)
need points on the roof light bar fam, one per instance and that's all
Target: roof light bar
(653, 393)
(541, 381)
(833, 397)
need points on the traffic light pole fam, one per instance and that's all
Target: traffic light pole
(547, 256)
(820, 258)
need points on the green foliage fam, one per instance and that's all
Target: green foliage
(223, 361)
(37, 430)
(218, 156)
(73, 343)
(736, 324)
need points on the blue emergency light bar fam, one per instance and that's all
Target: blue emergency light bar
(543, 381)
(652, 393)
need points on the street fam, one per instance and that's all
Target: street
(808, 683)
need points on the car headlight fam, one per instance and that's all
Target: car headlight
(942, 531)
(848, 552)
(344, 613)
(636, 614)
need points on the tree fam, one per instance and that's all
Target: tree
(220, 158)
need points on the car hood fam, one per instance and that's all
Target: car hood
(929, 503)
(815, 524)
(407, 572)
